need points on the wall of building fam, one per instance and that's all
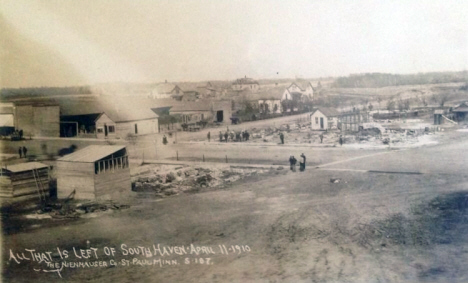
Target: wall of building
(226, 107)
(328, 123)
(271, 105)
(46, 121)
(24, 119)
(76, 176)
(144, 127)
(42, 121)
(113, 184)
(101, 124)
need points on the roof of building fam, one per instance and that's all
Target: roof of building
(92, 153)
(118, 110)
(462, 107)
(7, 108)
(275, 93)
(21, 167)
(439, 111)
(165, 88)
(329, 112)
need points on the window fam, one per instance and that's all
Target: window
(316, 120)
(100, 130)
(111, 129)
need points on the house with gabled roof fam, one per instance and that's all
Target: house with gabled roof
(166, 90)
(245, 83)
(324, 118)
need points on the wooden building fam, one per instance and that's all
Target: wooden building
(95, 172)
(24, 182)
(324, 119)
(37, 119)
(353, 121)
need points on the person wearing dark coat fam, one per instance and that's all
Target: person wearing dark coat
(302, 163)
(25, 151)
(220, 136)
(20, 152)
(292, 163)
(281, 135)
(208, 136)
(226, 136)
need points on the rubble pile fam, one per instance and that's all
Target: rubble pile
(164, 180)
(75, 210)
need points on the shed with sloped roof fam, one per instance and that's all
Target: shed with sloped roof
(24, 182)
(95, 172)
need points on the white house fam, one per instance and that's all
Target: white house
(324, 119)
(245, 84)
(305, 89)
(166, 90)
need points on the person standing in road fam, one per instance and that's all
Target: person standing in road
(20, 152)
(293, 161)
(302, 163)
(321, 138)
(281, 137)
(341, 140)
(226, 136)
(25, 151)
(220, 136)
(208, 136)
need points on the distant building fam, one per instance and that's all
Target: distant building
(193, 112)
(95, 172)
(245, 84)
(7, 124)
(38, 119)
(353, 121)
(324, 119)
(106, 118)
(305, 91)
(166, 90)
(268, 101)
(461, 112)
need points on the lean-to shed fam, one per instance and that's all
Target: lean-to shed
(95, 172)
(24, 182)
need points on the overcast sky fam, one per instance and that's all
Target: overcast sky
(57, 43)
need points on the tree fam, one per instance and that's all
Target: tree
(379, 100)
(390, 104)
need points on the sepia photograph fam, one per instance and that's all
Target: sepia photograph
(234, 141)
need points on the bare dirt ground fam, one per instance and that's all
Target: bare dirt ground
(365, 216)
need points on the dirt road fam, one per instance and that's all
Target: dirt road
(298, 227)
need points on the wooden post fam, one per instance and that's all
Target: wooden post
(177, 155)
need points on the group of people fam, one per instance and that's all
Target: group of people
(232, 136)
(293, 161)
(22, 151)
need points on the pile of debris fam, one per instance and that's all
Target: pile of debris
(75, 210)
(166, 181)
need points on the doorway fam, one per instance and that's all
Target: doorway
(219, 116)
(321, 122)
